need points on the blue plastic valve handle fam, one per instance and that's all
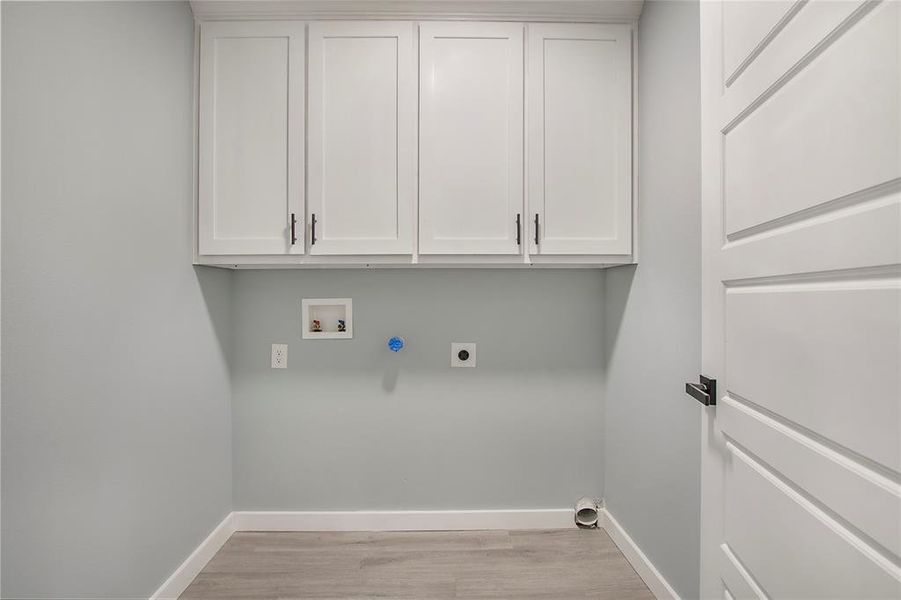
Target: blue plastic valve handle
(396, 344)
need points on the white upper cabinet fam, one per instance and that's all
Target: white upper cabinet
(251, 119)
(362, 137)
(397, 142)
(470, 137)
(580, 139)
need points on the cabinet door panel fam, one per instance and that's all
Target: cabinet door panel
(471, 137)
(580, 144)
(251, 137)
(362, 140)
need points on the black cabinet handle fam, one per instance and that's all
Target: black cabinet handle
(536, 229)
(313, 225)
(518, 231)
(704, 392)
(293, 229)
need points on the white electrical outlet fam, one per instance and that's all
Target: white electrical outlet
(279, 356)
(463, 354)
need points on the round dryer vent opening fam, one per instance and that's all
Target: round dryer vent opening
(586, 512)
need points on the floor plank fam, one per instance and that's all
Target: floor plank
(565, 563)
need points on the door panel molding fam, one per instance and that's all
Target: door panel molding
(801, 42)
(874, 194)
(777, 17)
(859, 490)
(814, 152)
(769, 512)
(825, 339)
(783, 251)
(735, 576)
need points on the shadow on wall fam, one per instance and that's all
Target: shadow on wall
(216, 287)
(616, 299)
(389, 379)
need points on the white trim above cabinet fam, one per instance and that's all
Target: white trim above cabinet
(251, 138)
(470, 137)
(362, 137)
(580, 139)
(568, 11)
(428, 143)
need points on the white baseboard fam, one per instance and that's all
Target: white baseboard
(638, 559)
(416, 520)
(404, 520)
(179, 581)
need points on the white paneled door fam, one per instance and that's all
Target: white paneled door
(470, 138)
(580, 139)
(362, 137)
(251, 138)
(801, 116)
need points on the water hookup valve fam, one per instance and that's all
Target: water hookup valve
(396, 343)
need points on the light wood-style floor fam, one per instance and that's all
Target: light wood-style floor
(556, 564)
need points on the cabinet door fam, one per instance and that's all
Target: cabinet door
(470, 137)
(580, 139)
(362, 137)
(251, 137)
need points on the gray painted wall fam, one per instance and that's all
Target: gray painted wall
(117, 446)
(352, 426)
(653, 311)
(115, 435)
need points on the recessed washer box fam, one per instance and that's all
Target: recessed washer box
(329, 312)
